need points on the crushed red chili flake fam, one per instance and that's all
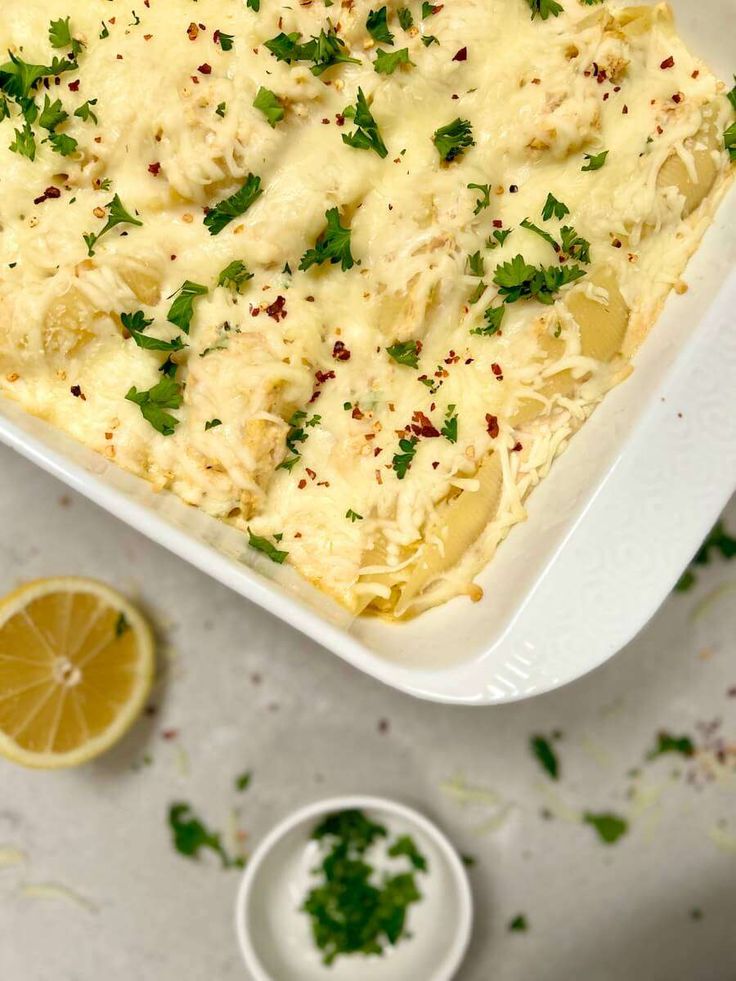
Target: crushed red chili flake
(78, 393)
(310, 473)
(302, 484)
(668, 62)
(255, 311)
(339, 119)
(377, 450)
(605, 96)
(50, 192)
(357, 414)
(492, 425)
(193, 32)
(678, 97)
(277, 310)
(422, 426)
(497, 370)
(497, 223)
(155, 169)
(625, 110)
(73, 86)
(340, 352)
(205, 69)
(695, 73)
(323, 376)
(315, 395)
(516, 448)
(616, 243)
(461, 55)
(435, 464)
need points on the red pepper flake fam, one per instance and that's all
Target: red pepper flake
(77, 393)
(616, 243)
(323, 376)
(193, 32)
(155, 169)
(605, 96)
(340, 352)
(339, 119)
(492, 425)
(625, 110)
(74, 86)
(695, 73)
(50, 192)
(310, 473)
(377, 450)
(517, 448)
(497, 371)
(357, 413)
(277, 310)
(255, 311)
(302, 484)
(315, 395)
(497, 223)
(678, 97)
(435, 464)
(205, 69)
(461, 55)
(668, 62)
(422, 426)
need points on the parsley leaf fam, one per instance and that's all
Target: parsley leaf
(429, 39)
(405, 845)
(233, 207)
(60, 36)
(541, 232)
(182, 309)
(718, 540)
(476, 265)
(610, 827)
(333, 245)
(519, 924)
(595, 161)
(242, 782)
(667, 743)
(387, 62)
(325, 50)
(234, 276)
(449, 429)
(63, 144)
(212, 424)
(729, 141)
(573, 246)
(544, 8)
(116, 215)
(225, 41)
(406, 18)
(353, 516)
(542, 749)
(166, 394)
(453, 139)
(493, 317)
(268, 548)
(190, 836)
(24, 142)
(52, 114)
(366, 136)
(377, 26)
(402, 461)
(405, 352)
(136, 324)
(484, 201)
(297, 434)
(85, 113)
(18, 78)
(253, 4)
(270, 105)
(498, 238)
(517, 280)
(554, 207)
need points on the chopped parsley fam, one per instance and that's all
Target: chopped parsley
(153, 404)
(253, 5)
(234, 206)
(234, 276)
(267, 547)
(325, 51)
(498, 238)
(553, 207)
(24, 142)
(225, 41)
(485, 200)
(571, 245)
(60, 36)
(354, 908)
(519, 924)
(62, 144)
(212, 424)
(52, 114)
(387, 62)
(298, 424)
(85, 112)
(518, 280)
(454, 139)
(353, 516)
(667, 743)
(270, 105)
(525, 223)
(544, 8)
(366, 136)
(719, 541)
(377, 26)
(136, 325)
(429, 39)
(449, 428)
(406, 18)
(333, 245)
(476, 265)
(609, 827)
(493, 317)
(121, 625)
(116, 215)
(190, 836)
(405, 352)
(542, 749)
(595, 161)
(181, 310)
(242, 782)
(402, 460)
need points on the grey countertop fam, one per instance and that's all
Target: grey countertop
(240, 691)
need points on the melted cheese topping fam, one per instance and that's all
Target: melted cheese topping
(177, 132)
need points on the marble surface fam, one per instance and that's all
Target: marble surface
(240, 691)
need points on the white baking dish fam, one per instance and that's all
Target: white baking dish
(608, 532)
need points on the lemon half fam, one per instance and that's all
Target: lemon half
(76, 665)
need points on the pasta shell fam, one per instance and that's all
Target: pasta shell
(67, 325)
(602, 325)
(674, 173)
(460, 527)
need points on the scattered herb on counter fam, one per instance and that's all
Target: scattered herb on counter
(519, 924)
(354, 909)
(667, 743)
(233, 207)
(719, 541)
(609, 827)
(242, 782)
(190, 836)
(468, 861)
(542, 749)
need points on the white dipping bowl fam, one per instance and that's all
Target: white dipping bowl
(275, 936)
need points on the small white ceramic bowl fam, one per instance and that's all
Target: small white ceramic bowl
(275, 936)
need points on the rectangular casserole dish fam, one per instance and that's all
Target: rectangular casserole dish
(608, 532)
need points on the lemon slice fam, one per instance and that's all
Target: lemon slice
(76, 664)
